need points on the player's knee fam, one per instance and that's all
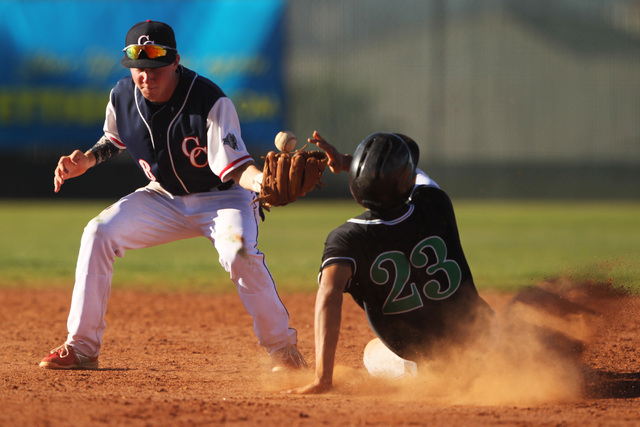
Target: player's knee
(234, 252)
(102, 238)
(98, 230)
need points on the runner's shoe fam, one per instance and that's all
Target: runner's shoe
(67, 357)
(288, 357)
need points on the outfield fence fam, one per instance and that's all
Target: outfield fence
(506, 98)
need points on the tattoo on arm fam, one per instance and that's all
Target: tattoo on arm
(104, 149)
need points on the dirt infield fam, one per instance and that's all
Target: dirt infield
(567, 355)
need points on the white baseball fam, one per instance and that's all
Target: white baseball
(286, 141)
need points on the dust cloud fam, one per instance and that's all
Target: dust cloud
(535, 357)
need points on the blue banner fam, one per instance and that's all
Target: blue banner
(61, 59)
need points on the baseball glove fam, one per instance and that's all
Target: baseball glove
(287, 176)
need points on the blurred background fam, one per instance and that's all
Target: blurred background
(508, 99)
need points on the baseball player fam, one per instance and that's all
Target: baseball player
(401, 261)
(183, 133)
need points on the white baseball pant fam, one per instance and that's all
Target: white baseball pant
(384, 363)
(150, 217)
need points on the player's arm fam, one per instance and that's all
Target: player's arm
(78, 162)
(247, 176)
(71, 166)
(223, 120)
(337, 162)
(104, 149)
(328, 313)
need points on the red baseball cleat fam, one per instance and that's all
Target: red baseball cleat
(67, 357)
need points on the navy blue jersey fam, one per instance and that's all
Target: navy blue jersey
(188, 144)
(410, 274)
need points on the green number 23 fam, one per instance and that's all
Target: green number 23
(433, 289)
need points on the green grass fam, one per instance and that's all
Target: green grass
(508, 245)
(511, 244)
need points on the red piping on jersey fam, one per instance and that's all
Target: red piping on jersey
(118, 143)
(232, 164)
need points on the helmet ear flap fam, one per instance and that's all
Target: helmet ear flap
(382, 172)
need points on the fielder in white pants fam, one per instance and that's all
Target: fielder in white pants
(183, 132)
(150, 216)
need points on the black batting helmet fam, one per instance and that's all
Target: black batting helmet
(413, 147)
(382, 172)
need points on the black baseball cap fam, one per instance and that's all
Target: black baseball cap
(150, 33)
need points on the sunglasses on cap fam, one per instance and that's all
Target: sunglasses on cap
(152, 50)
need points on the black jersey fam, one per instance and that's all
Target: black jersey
(410, 274)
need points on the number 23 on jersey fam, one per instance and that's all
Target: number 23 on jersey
(434, 289)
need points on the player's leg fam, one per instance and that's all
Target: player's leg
(234, 234)
(382, 362)
(142, 219)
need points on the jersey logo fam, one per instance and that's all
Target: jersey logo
(394, 268)
(231, 141)
(197, 155)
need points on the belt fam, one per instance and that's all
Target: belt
(225, 185)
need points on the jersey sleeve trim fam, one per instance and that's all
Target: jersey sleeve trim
(231, 166)
(339, 260)
(117, 143)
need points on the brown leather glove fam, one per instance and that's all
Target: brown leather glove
(287, 176)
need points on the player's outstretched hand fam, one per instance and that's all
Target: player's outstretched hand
(314, 388)
(337, 162)
(71, 166)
